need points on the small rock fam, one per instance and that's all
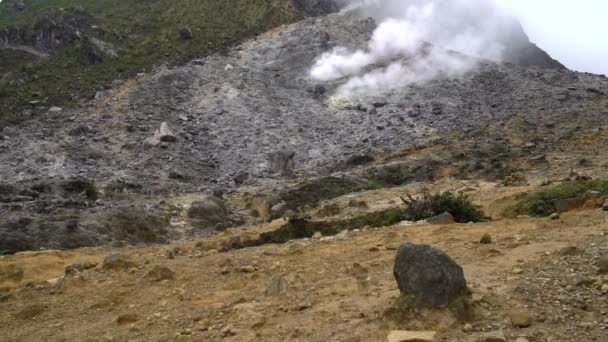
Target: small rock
(486, 239)
(247, 269)
(278, 208)
(128, 318)
(411, 336)
(55, 110)
(151, 142)
(160, 273)
(554, 216)
(55, 282)
(569, 251)
(520, 318)
(165, 134)
(278, 286)
(494, 336)
(467, 327)
(30, 311)
(581, 280)
(445, 218)
(521, 339)
(118, 261)
(605, 205)
(317, 236)
(602, 264)
(342, 235)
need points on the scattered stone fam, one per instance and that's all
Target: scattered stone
(486, 239)
(118, 262)
(554, 216)
(55, 110)
(494, 336)
(342, 235)
(160, 273)
(165, 134)
(151, 142)
(602, 264)
(128, 318)
(428, 275)
(278, 208)
(278, 286)
(520, 318)
(411, 336)
(445, 218)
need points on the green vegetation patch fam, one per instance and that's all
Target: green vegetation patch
(542, 203)
(143, 34)
(429, 205)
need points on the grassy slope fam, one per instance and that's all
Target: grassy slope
(150, 30)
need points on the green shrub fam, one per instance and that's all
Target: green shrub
(429, 205)
(542, 203)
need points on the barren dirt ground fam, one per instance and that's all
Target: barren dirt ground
(337, 289)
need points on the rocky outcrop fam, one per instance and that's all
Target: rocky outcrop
(521, 51)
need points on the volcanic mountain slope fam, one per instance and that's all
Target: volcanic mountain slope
(252, 116)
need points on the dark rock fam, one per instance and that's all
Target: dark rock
(281, 162)
(160, 273)
(428, 276)
(486, 239)
(89, 52)
(128, 319)
(569, 251)
(185, 33)
(118, 262)
(210, 212)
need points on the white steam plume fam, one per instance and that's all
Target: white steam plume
(402, 38)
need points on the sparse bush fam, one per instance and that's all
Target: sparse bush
(429, 205)
(542, 203)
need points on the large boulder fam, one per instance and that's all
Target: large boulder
(428, 277)
(210, 212)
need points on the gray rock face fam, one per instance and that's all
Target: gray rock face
(210, 212)
(281, 162)
(428, 276)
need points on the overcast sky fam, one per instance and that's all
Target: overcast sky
(573, 32)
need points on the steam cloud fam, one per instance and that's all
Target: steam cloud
(416, 39)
